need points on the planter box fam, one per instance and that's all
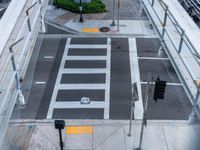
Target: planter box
(83, 1)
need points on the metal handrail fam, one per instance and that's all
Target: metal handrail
(191, 96)
(196, 6)
(184, 38)
(9, 74)
(187, 39)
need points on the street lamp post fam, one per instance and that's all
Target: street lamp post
(81, 11)
(118, 13)
(113, 21)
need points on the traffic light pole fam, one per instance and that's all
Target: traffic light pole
(133, 100)
(131, 117)
(148, 93)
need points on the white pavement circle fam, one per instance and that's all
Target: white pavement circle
(105, 104)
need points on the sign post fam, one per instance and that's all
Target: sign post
(60, 124)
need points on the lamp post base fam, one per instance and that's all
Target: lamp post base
(81, 20)
(113, 23)
(138, 148)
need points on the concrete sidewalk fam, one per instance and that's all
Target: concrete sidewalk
(92, 22)
(104, 135)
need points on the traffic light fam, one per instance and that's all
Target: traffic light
(159, 89)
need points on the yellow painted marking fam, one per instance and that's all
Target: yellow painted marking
(90, 30)
(79, 130)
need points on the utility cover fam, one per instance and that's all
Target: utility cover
(104, 29)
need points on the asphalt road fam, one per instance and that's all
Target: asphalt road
(176, 104)
(48, 62)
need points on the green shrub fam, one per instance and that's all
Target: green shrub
(96, 6)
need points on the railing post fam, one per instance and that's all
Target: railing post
(43, 27)
(193, 117)
(165, 21)
(152, 4)
(28, 21)
(27, 14)
(20, 95)
(181, 41)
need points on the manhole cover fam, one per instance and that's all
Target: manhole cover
(104, 29)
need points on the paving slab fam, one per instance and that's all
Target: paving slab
(109, 135)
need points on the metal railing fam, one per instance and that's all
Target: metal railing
(15, 56)
(184, 44)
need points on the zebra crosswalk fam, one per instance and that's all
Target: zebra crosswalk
(88, 73)
(91, 78)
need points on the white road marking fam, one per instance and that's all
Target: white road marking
(48, 57)
(171, 84)
(108, 74)
(81, 86)
(58, 79)
(154, 58)
(135, 77)
(58, 86)
(83, 71)
(40, 82)
(72, 104)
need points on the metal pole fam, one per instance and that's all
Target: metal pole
(21, 97)
(113, 21)
(28, 21)
(131, 116)
(144, 119)
(193, 117)
(61, 141)
(181, 41)
(81, 11)
(152, 3)
(164, 22)
(133, 100)
(118, 15)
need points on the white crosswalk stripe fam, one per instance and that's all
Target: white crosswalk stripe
(135, 76)
(104, 104)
